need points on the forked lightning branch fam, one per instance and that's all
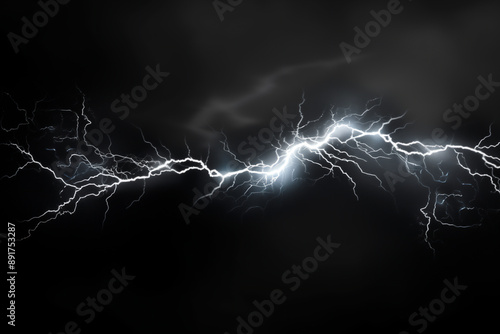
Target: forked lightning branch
(353, 146)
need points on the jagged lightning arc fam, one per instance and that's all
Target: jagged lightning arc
(345, 142)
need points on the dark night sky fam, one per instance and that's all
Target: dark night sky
(199, 278)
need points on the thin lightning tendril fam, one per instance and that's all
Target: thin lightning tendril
(348, 143)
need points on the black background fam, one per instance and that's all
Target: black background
(199, 278)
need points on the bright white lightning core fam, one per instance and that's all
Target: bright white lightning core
(356, 145)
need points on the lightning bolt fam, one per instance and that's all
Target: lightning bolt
(353, 145)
